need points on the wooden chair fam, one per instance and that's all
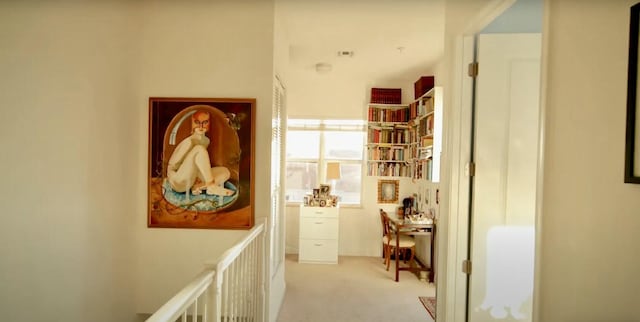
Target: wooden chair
(389, 242)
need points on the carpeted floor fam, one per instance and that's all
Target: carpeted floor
(429, 303)
(357, 289)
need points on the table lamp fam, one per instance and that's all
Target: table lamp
(333, 174)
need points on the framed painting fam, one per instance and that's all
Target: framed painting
(632, 137)
(388, 191)
(201, 163)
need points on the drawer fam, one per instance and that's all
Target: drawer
(318, 250)
(318, 228)
(329, 212)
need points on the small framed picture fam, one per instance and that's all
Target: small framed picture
(334, 200)
(307, 199)
(325, 190)
(323, 202)
(388, 191)
(316, 193)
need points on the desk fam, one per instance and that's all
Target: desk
(406, 227)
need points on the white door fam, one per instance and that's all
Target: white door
(504, 186)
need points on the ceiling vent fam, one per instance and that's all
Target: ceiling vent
(345, 53)
(323, 68)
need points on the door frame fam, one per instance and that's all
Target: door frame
(454, 246)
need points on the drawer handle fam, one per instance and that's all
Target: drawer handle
(317, 244)
(319, 222)
(319, 212)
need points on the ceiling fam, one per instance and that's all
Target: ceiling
(391, 39)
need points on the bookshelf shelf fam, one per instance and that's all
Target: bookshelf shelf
(404, 140)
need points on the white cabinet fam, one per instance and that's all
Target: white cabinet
(318, 235)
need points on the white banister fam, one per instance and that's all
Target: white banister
(228, 289)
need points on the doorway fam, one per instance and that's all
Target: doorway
(497, 172)
(503, 189)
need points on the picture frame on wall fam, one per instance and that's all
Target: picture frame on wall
(187, 135)
(632, 136)
(388, 191)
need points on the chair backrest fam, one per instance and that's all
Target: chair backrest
(385, 223)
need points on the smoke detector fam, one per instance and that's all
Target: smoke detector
(345, 53)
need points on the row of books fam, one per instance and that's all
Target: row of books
(377, 114)
(407, 153)
(386, 95)
(423, 170)
(426, 126)
(421, 107)
(391, 135)
(392, 154)
(389, 169)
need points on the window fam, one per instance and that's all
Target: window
(311, 144)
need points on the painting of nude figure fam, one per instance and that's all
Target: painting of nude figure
(201, 163)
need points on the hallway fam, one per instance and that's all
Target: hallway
(357, 289)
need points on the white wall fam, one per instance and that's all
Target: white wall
(590, 219)
(76, 81)
(188, 50)
(68, 141)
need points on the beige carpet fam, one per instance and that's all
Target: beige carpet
(429, 304)
(357, 289)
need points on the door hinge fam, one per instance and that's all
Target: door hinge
(473, 69)
(470, 169)
(466, 267)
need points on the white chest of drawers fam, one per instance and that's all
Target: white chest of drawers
(318, 235)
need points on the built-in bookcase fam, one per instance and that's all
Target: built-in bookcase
(404, 140)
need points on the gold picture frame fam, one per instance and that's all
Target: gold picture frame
(184, 133)
(388, 191)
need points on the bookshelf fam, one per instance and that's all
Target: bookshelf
(405, 140)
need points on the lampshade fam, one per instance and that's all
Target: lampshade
(333, 170)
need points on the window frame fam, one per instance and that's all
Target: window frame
(322, 126)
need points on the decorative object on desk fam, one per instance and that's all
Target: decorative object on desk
(220, 132)
(321, 197)
(325, 191)
(400, 212)
(429, 303)
(408, 205)
(388, 191)
(430, 214)
(632, 141)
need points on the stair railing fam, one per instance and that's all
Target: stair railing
(228, 289)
